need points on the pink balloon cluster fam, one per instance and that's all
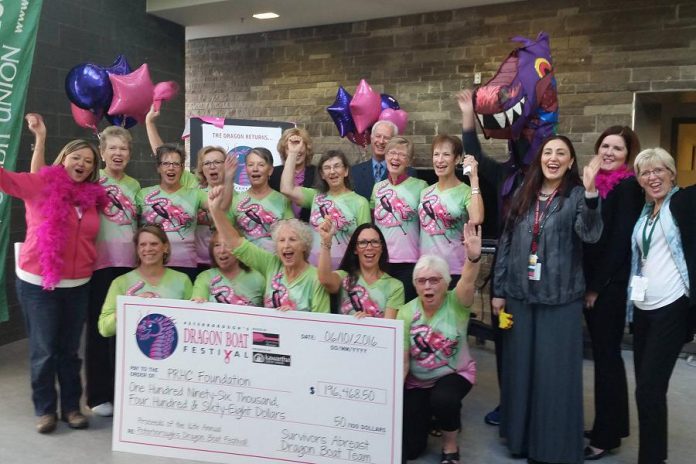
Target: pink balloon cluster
(355, 119)
(124, 97)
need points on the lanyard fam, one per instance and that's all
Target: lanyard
(647, 238)
(536, 229)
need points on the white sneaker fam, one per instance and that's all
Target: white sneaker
(104, 409)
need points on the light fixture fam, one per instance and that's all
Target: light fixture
(269, 15)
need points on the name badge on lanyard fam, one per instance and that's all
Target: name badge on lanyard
(639, 283)
(534, 264)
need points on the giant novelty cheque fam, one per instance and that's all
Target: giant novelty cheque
(227, 383)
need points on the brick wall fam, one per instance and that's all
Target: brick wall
(603, 52)
(77, 31)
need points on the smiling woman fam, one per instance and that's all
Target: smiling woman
(53, 272)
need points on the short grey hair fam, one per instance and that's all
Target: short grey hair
(302, 229)
(434, 263)
(653, 157)
(382, 122)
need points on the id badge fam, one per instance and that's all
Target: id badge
(534, 268)
(639, 285)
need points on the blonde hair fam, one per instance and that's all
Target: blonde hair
(652, 157)
(400, 142)
(115, 131)
(199, 163)
(72, 147)
(283, 143)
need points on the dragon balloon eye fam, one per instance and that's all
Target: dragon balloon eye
(542, 66)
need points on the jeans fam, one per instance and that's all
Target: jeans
(54, 321)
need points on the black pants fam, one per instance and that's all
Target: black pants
(99, 355)
(658, 336)
(606, 323)
(443, 401)
(404, 273)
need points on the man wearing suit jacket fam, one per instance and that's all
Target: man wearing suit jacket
(366, 174)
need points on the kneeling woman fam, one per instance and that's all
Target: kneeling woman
(149, 280)
(229, 280)
(291, 282)
(365, 287)
(438, 369)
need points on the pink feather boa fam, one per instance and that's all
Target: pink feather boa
(607, 180)
(61, 194)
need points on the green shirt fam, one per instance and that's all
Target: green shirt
(305, 293)
(173, 284)
(118, 222)
(373, 299)
(347, 211)
(246, 288)
(254, 217)
(189, 179)
(438, 345)
(396, 214)
(177, 214)
(442, 218)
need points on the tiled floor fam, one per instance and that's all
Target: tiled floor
(19, 443)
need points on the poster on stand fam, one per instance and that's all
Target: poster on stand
(226, 383)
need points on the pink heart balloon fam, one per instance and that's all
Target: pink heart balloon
(365, 106)
(85, 118)
(132, 92)
(398, 117)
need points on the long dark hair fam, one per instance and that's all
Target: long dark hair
(534, 178)
(351, 263)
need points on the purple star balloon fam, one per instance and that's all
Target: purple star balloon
(340, 112)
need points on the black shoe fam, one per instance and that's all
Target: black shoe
(450, 458)
(591, 455)
(588, 434)
(493, 417)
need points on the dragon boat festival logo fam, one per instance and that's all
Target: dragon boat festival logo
(156, 336)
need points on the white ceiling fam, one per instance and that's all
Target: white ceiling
(214, 18)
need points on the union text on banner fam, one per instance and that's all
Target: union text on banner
(19, 21)
(226, 383)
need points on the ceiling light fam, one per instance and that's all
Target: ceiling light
(269, 15)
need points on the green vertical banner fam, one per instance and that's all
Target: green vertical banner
(19, 22)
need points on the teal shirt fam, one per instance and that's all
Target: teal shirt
(437, 345)
(305, 293)
(246, 288)
(173, 284)
(373, 299)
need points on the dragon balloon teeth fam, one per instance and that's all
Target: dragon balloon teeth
(502, 119)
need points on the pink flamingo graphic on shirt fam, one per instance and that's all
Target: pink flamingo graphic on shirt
(434, 218)
(430, 348)
(358, 300)
(390, 210)
(119, 209)
(225, 293)
(134, 289)
(254, 219)
(280, 296)
(170, 217)
(328, 208)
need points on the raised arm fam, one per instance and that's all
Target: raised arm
(36, 126)
(224, 226)
(287, 179)
(331, 280)
(152, 133)
(475, 208)
(466, 286)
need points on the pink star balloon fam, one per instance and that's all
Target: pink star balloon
(398, 117)
(365, 106)
(132, 93)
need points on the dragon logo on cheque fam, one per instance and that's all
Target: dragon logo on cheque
(156, 336)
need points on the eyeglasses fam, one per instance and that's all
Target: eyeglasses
(657, 172)
(334, 167)
(373, 243)
(210, 164)
(428, 280)
(171, 164)
(397, 153)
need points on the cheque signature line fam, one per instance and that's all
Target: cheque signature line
(223, 385)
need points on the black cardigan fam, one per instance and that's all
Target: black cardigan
(682, 208)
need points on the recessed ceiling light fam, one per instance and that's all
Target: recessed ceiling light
(269, 15)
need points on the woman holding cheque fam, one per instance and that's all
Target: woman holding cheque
(539, 280)
(149, 280)
(438, 368)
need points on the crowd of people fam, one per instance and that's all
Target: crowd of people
(373, 240)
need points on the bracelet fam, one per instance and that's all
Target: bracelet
(326, 245)
(476, 191)
(475, 260)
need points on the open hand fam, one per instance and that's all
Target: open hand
(589, 174)
(471, 239)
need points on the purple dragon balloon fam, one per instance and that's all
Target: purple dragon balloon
(520, 103)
